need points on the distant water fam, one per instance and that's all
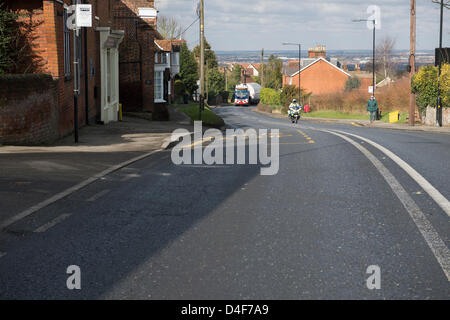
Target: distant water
(255, 56)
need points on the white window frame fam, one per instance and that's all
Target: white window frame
(159, 83)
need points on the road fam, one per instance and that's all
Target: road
(338, 204)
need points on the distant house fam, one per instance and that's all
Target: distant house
(318, 77)
(167, 66)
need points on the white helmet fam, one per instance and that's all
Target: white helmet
(294, 101)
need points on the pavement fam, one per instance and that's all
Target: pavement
(366, 123)
(338, 205)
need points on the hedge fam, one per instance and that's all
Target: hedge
(270, 96)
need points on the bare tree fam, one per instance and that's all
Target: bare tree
(446, 3)
(384, 52)
(169, 27)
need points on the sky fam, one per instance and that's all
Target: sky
(255, 24)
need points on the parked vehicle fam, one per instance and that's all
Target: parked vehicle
(247, 94)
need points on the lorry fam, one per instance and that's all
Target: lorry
(247, 94)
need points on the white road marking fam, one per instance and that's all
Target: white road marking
(52, 223)
(73, 189)
(437, 246)
(432, 191)
(2, 254)
(98, 195)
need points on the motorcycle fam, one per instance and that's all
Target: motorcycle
(294, 115)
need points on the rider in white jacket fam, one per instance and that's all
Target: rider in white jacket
(294, 106)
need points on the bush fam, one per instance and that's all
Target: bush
(390, 98)
(270, 97)
(352, 83)
(180, 89)
(424, 85)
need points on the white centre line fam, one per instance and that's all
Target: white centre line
(98, 195)
(73, 189)
(52, 223)
(437, 246)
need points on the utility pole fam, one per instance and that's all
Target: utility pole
(262, 68)
(202, 59)
(438, 107)
(226, 79)
(412, 62)
(299, 73)
(373, 59)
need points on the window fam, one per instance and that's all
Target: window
(159, 85)
(163, 58)
(66, 45)
(156, 57)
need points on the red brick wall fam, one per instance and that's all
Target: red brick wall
(28, 110)
(137, 57)
(320, 78)
(49, 40)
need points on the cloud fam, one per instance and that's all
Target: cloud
(254, 24)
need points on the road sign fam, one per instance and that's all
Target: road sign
(370, 89)
(83, 16)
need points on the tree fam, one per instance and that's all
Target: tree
(169, 28)
(352, 83)
(235, 77)
(424, 85)
(188, 69)
(384, 53)
(210, 56)
(7, 33)
(273, 72)
(216, 81)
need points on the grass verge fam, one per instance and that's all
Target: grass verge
(209, 118)
(336, 115)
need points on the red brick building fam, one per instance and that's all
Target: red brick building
(118, 54)
(319, 77)
(52, 43)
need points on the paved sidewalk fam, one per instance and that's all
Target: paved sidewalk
(30, 175)
(365, 123)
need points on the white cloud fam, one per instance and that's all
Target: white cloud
(253, 24)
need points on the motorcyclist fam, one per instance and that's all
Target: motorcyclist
(293, 107)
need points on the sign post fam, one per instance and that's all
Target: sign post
(81, 17)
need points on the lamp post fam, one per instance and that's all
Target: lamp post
(299, 66)
(373, 58)
(438, 104)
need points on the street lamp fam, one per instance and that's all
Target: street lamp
(299, 66)
(373, 64)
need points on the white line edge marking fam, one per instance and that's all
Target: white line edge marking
(98, 195)
(437, 246)
(71, 190)
(432, 191)
(52, 223)
(2, 254)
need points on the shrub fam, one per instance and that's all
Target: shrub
(270, 96)
(424, 85)
(352, 83)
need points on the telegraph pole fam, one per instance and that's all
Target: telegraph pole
(262, 68)
(202, 59)
(438, 107)
(412, 62)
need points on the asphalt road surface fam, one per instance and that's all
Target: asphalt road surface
(337, 205)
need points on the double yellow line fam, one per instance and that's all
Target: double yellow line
(310, 140)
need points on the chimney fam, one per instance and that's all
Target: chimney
(317, 52)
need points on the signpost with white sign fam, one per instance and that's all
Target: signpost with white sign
(81, 16)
